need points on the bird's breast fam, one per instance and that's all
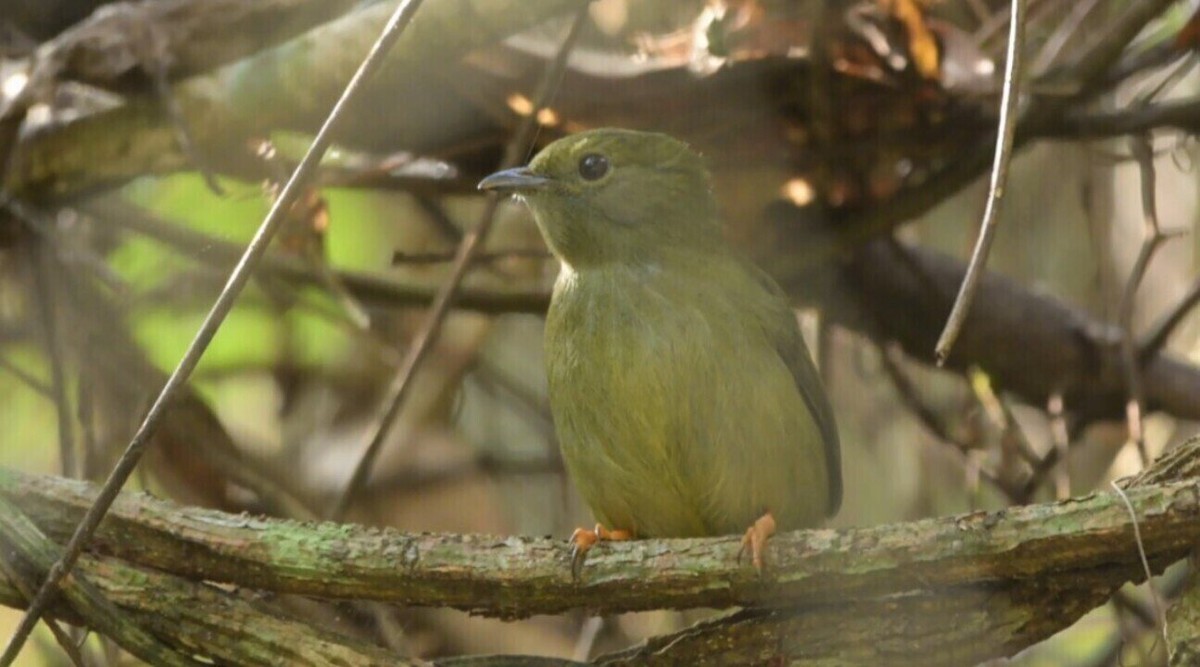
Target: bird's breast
(675, 413)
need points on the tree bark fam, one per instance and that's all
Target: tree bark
(932, 592)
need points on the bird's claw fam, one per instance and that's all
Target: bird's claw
(582, 540)
(755, 541)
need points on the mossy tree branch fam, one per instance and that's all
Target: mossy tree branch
(135, 605)
(970, 586)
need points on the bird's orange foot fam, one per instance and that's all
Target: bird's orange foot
(755, 540)
(583, 539)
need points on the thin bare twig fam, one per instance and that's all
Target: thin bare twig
(1040, 471)
(1068, 28)
(156, 66)
(1156, 340)
(1166, 48)
(1153, 237)
(1159, 608)
(85, 416)
(1169, 587)
(1182, 115)
(889, 356)
(992, 25)
(1177, 74)
(26, 586)
(23, 542)
(495, 379)
(310, 250)
(373, 290)
(43, 277)
(1061, 439)
(486, 466)
(468, 249)
(1001, 415)
(212, 322)
(401, 257)
(27, 590)
(1105, 54)
(980, 9)
(1005, 132)
(26, 377)
(1087, 72)
(588, 632)
(438, 219)
(1126, 600)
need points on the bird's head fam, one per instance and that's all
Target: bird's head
(612, 195)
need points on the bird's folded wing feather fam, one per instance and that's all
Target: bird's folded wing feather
(789, 343)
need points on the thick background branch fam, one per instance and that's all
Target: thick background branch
(290, 85)
(1032, 344)
(191, 37)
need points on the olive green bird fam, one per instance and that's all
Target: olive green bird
(683, 395)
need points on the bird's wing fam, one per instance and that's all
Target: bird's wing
(789, 343)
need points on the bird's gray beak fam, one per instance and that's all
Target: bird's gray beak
(519, 179)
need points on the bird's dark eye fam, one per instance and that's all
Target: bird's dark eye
(593, 166)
